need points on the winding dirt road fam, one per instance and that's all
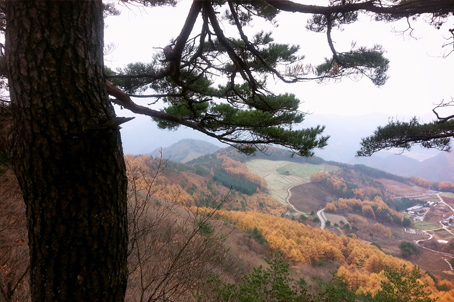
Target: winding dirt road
(322, 217)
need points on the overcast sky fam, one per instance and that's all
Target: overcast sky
(419, 76)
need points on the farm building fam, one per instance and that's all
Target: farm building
(415, 208)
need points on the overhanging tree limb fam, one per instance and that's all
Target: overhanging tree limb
(404, 135)
(260, 132)
(404, 9)
(193, 100)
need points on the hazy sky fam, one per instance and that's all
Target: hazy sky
(419, 76)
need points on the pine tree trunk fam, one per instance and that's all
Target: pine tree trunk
(65, 152)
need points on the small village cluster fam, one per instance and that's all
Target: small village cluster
(420, 210)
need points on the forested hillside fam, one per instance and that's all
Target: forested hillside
(212, 220)
(360, 264)
(217, 175)
(357, 193)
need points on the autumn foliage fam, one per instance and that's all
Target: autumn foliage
(446, 186)
(375, 208)
(194, 189)
(239, 170)
(419, 181)
(332, 183)
(172, 249)
(360, 264)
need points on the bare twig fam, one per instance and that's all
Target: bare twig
(443, 104)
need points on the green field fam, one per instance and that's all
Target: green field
(447, 194)
(282, 175)
(424, 225)
(304, 170)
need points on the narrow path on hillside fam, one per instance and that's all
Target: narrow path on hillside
(287, 200)
(442, 254)
(430, 236)
(443, 227)
(443, 202)
(426, 248)
(280, 185)
(322, 217)
(320, 213)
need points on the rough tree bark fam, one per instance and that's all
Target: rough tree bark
(66, 151)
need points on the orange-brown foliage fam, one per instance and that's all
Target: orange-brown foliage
(420, 181)
(361, 264)
(359, 193)
(170, 185)
(331, 207)
(145, 173)
(445, 185)
(239, 170)
(366, 207)
(382, 229)
(368, 211)
(319, 176)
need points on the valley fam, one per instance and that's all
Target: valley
(324, 217)
(282, 176)
(290, 184)
(364, 200)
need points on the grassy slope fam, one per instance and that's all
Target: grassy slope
(281, 175)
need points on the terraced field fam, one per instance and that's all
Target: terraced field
(282, 175)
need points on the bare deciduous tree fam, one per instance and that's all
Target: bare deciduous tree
(171, 249)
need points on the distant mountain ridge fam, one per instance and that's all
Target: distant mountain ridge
(141, 135)
(186, 150)
(437, 168)
(395, 164)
